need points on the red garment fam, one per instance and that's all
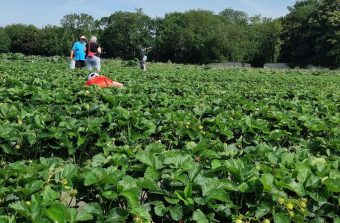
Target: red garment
(101, 81)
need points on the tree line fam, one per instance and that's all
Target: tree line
(308, 34)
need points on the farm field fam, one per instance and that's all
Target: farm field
(177, 144)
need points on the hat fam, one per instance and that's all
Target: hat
(82, 37)
(92, 75)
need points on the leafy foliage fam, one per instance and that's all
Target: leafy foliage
(311, 33)
(178, 143)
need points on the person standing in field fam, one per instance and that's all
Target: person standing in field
(143, 62)
(78, 52)
(93, 52)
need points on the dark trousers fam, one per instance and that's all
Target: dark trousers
(80, 63)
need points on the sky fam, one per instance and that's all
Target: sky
(50, 12)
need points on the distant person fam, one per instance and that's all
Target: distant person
(101, 81)
(78, 52)
(93, 52)
(143, 63)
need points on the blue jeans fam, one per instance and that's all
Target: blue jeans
(93, 62)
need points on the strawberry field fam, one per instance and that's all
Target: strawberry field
(176, 144)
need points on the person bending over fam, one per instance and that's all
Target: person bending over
(101, 81)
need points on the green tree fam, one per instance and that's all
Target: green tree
(324, 26)
(125, 34)
(264, 40)
(204, 37)
(5, 41)
(76, 25)
(234, 16)
(24, 38)
(236, 37)
(296, 36)
(52, 41)
(196, 36)
(169, 42)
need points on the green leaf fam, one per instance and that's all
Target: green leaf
(155, 148)
(218, 194)
(150, 159)
(197, 111)
(281, 218)
(179, 160)
(98, 160)
(160, 209)
(171, 200)
(19, 206)
(318, 196)
(146, 158)
(93, 208)
(188, 191)
(235, 167)
(199, 217)
(267, 181)
(83, 216)
(71, 215)
(303, 174)
(149, 127)
(34, 186)
(227, 132)
(151, 173)
(312, 181)
(332, 185)
(296, 187)
(111, 195)
(132, 196)
(142, 212)
(93, 176)
(180, 196)
(57, 213)
(243, 187)
(116, 215)
(69, 170)
(36, 207)
(80, 140)
(212, 189)
(195, 171)
(150, 185)
(215, 164)
(262, 210)
(128, 182)
(49, 194)
(176, 212)
(4, 219)
(191, 145)
(32, 137)
(318, 161)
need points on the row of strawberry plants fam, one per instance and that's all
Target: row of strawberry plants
(48, 113)
(194, 183)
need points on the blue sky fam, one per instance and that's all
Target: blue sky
(44, 12)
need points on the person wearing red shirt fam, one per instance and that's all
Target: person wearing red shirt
(102, 81)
